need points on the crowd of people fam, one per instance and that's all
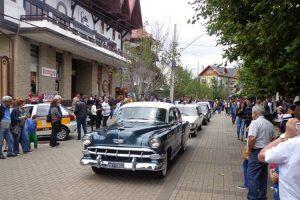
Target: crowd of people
(271, 133)
(16, 127)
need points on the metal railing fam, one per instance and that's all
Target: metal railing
(77, 29)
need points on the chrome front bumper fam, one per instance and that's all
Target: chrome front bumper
(133, 166)
(157, 162)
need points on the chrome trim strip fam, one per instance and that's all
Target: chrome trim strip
(122, 148)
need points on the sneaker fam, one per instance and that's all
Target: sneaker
(2, 156)
(11, 155)
(241, 187)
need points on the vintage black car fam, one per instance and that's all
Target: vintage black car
(145, 136)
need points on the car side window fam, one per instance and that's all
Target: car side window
(199, 110)
(42, 111)
(161, 115)
(171, 116)
(178, 115)
(28, 110)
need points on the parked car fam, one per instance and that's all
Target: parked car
(210, 109)
(206, 113)
(193, 114)
(69, 125)
(145, 136)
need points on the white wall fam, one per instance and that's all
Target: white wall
(67, 3)
(14, 9)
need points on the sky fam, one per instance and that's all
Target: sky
(169, 12)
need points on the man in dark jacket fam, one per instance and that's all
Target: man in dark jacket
(81, 115)
(248, 115)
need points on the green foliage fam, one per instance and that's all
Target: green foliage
(188, 86)
(265, 35)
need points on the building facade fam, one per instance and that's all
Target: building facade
(64, 46)
(225, 76)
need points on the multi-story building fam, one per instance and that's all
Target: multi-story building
(225, 76)
(64, 46)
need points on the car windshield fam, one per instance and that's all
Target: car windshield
(142, 114)
(188, 111)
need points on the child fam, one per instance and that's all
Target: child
(31, 130)
(273, 173)
(245, 168)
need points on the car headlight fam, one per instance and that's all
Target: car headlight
(87, 139)
(155, 143)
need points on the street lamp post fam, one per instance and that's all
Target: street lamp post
(173, 65)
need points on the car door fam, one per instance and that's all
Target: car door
(200, 115)
(172, 131)
(43, 126)
(178, 128)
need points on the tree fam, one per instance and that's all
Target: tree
(265, 35)
(188, 86)
(146, 73)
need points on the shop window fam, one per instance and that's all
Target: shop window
(59, 64)
(114, 34)
(34, 69)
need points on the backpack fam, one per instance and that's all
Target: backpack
(49, 117)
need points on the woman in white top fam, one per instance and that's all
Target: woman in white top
(105, 111)
(93, 115)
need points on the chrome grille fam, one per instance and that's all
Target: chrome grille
(121, 152)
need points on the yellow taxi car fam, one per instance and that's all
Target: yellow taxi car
(69, 125)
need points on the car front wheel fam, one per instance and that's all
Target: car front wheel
(163, 173)
(63, 134)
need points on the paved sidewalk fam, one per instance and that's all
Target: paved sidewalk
(209, 169)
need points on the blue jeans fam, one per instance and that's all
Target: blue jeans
(240, 125)
(20, 136)
(257, 177)
(276, 191)
(5, 134)
(245, 171)
(81, 122)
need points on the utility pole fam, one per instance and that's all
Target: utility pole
(173, 64)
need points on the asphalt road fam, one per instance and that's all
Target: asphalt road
(209, 169)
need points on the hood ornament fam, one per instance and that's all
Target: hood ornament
(118, 141)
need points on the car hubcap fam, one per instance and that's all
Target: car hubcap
(61, 135)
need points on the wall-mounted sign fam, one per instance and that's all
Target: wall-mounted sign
(105, 86)
(49, 72)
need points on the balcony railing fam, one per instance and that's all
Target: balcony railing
(77, 29)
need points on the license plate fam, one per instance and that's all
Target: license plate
(115, 165)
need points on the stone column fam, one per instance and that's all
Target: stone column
(22, 62)
(47, 59)
(66, 78)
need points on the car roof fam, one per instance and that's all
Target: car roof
(38, 104)
(187, 105)
(149, 105)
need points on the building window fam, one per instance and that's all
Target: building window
(119, 36)
(34, 69)
(114, 34)
(33, 10)
(102, 27)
